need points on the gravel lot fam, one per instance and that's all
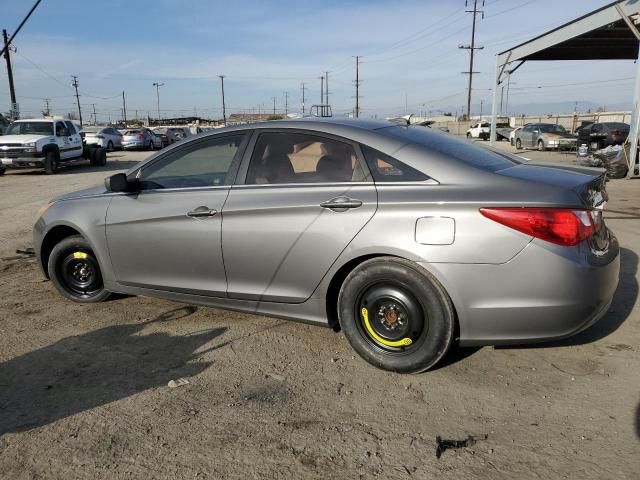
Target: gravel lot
(83, 388)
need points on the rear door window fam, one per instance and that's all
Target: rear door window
(280, 158)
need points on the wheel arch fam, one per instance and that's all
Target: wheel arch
(51, 147)
(338, 278)
(54, 236)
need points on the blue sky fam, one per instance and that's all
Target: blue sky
(265, 48)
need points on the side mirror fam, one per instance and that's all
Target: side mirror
(117, 183)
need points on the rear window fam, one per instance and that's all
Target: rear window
(447, 145)
(133, 132)
(551, 128)
(616, 125)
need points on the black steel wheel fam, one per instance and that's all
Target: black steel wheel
(51, 160)
(75, 271)
(396, 315)
(391, 318)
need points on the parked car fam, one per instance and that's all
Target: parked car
(166, 134)
(600, 135)
(544, 136)
(106, 137)
(404, 237)
(181, 132)
(141, 139)
(4, 123)
(45, 143)
(512, 135)
(480, 130)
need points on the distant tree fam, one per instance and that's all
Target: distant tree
(463, 118)
(275, 117)
(600, 109)
(448, 114)
(72, 116)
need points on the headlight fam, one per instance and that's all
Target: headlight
(30, 147)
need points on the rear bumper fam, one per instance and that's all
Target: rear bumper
(544, 293)
(133, 145)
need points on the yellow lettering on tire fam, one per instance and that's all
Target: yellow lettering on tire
(404, 342)
(79, 255)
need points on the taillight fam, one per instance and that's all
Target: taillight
(615, 132)
(140, 137)
(561, 226)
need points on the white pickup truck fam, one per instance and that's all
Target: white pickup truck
(44, 143)
(479, 130)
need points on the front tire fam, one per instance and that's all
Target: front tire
(75, 272)
(541, 147)
(518, 144)
(51, 160)
(396, 315)
(110, 146)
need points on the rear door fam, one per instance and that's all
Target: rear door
(301, 198)
(168, 235)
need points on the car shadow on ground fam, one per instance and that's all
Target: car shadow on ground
(623, 301)
(95, 368)
(638, 421)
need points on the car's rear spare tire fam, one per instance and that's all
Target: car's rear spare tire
(396, 315)
(75, 272)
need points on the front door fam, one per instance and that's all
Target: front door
(168, 236)
(304, 198)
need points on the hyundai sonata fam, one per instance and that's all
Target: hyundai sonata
(405, 238)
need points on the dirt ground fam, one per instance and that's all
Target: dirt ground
(83, 388)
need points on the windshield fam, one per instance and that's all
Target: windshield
(462, 150)
(30, 128)
(550, 128)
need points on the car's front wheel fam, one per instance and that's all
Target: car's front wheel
(541, 146)
(75, 272)
(518, 144)
(396, 315)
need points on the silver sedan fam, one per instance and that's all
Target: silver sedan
(405, 238)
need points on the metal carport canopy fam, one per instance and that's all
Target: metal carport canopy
(608, 33)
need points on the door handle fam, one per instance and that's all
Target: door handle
(341, 204)
(202, 212)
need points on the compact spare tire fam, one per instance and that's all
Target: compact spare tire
(75, 272)
(396, 315)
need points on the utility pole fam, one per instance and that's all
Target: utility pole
(357, 110)
(472, 48)
(124, 109)
(12, 90)
(321, 89)
(224, 108)
(95, 120)
(303, 90)
(47, 110)
(75, 85)
(24, 20)
(326, 87)
(158, 85)
(286, 103)
(274, 105)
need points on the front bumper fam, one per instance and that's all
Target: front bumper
(34, 160)
(545, 293)
(561, 146)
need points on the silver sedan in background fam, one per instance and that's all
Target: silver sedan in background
(405, 238)
(106, 137)
(140, 139)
